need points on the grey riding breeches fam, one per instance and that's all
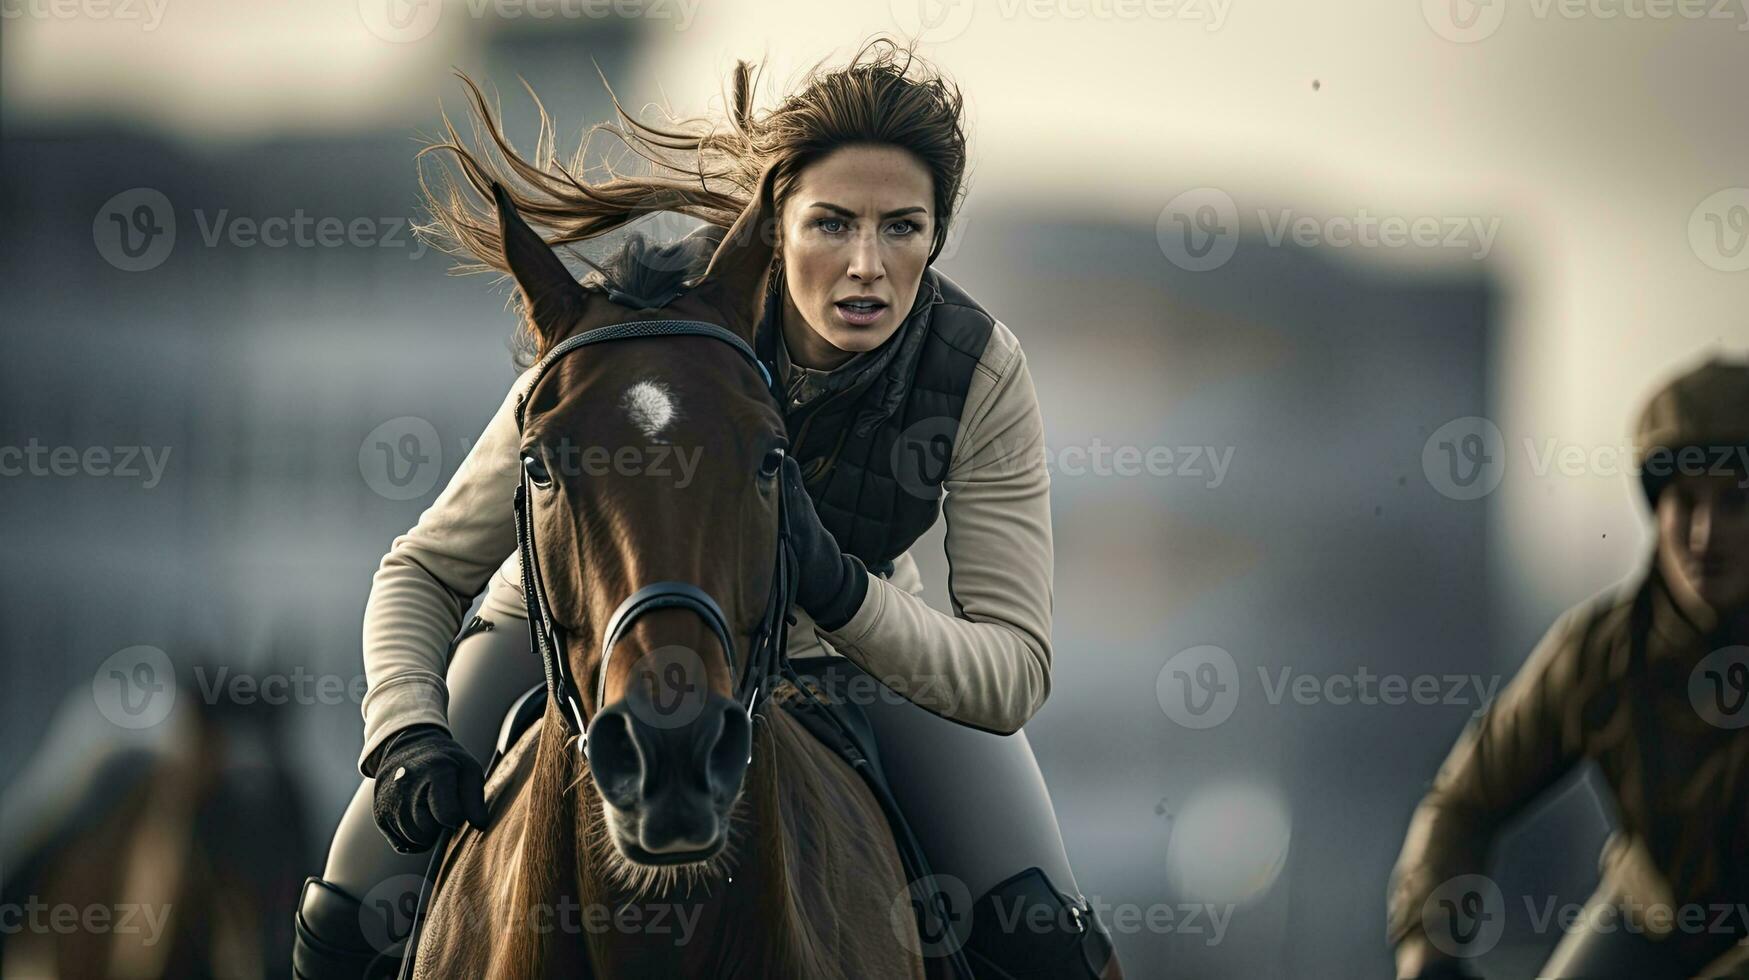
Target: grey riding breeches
(976, 801)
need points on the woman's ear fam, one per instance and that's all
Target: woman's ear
(551, 296)
(742, 262)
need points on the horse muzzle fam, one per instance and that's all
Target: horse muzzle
(669, 771)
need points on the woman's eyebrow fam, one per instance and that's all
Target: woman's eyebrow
(915, 209)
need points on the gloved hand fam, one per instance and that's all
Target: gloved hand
(830, 584)
(425, 781)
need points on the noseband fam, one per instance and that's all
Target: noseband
(769, 641)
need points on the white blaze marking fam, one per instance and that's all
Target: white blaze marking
(651, 407)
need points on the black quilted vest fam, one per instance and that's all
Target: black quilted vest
(873, 456)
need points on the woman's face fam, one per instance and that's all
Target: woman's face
(1703, 539)
(857, 229)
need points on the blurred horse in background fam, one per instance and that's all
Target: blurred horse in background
(171, 850)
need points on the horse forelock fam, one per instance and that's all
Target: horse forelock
(648, 272)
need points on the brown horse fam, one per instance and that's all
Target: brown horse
(688, 841)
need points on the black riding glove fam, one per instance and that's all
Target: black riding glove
(426, 781)
(830, 584)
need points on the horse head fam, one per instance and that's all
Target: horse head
(651, 489)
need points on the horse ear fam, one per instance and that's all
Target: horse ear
(743, 259)
(551, 295)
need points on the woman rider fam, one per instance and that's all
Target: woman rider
(1650, 680)
(898, 385)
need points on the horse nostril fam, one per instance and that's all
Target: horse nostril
(729, 756)
(614, 758)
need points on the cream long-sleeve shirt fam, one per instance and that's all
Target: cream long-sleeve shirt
(988, 666)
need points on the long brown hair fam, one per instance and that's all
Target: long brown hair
(886, 95)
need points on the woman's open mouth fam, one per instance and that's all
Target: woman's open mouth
(860, 313)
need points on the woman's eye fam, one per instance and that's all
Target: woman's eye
(836, 225)
(537, 471)
(902, 227)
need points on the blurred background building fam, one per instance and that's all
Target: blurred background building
(1254, 406)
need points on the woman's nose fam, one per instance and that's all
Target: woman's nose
(865, 259)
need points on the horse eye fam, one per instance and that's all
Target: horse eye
(537, 471)
(769, 466)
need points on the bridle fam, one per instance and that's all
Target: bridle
(769, 641)
(767, 659)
